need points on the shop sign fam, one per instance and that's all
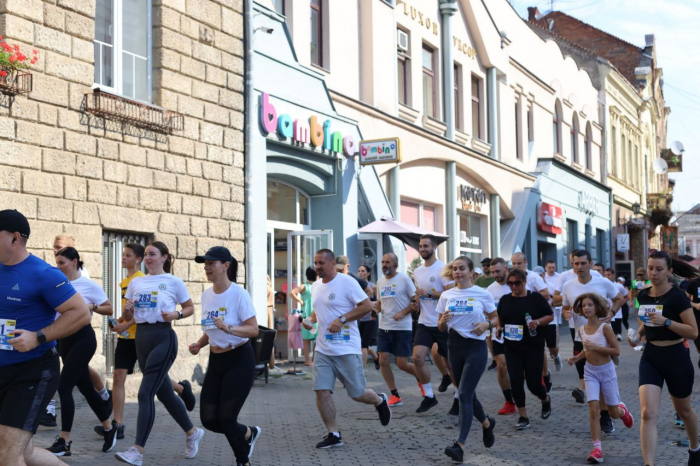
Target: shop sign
(472, 198)
(623, 242)
(380, 151)
(421, 18)
(588, 202)
(463, 47)
(304, 131)
(669, 239)
(550, 218)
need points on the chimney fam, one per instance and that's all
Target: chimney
(532, 13)
(650, 40)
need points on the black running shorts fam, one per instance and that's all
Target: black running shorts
(427, 336)
(125, 355)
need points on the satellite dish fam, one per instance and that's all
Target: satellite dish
(677, 148)
(660, 167)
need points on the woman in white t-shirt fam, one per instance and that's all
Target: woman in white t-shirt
(464, 310)
(152, 302)
(228, 322)
(76, 351)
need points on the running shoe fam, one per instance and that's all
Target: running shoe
(489, 438)
(330, 441)
(193, 443)
(110, 437)
(596, 456)
(48, 420)
(493, 365)
(578, 395)
(60, 447)
(255, 432)
(547, 407)
(693, 458)
(445, 383)
(508, 408)
(395, 401)
(420, 385)
(130, 456)
(606, 424)
(454, 410)
(619, 337)
(547, 381)
(679, 422)
(627, 418)
(557, 363)
(523, 423)
(427, 404)
(99, 430)
(384, 410)
(455, 452)
(376, 363)
(187, 395)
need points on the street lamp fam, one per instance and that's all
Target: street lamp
(636, 208)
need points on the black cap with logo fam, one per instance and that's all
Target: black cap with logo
(217, 253)
(14, 222)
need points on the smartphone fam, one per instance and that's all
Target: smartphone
(111, 323)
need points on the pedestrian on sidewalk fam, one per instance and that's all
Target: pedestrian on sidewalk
(302, 295)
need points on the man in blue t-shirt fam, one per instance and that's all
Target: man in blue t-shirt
(31, 292)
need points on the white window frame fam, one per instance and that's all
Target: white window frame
(297, 224)
(117, 51)
(481, 218)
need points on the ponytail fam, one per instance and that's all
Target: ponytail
(160, 246)
(680, 268)
(232, 271)
(71, 254)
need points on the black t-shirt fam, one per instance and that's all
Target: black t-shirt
(511, 314)
(360, 281)
(671, 304)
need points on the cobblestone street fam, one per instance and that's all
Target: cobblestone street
(286, 411)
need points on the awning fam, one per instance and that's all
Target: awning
(409, 234)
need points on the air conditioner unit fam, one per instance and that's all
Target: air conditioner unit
(402, 40)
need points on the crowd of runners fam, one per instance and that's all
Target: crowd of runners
(454, 314)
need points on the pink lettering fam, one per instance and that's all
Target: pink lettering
(268, 114)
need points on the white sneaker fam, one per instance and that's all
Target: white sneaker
(131, 456)
(193, 443)
(557, 363)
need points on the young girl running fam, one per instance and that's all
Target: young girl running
(76, 352)
(228, 322)
(599, 345)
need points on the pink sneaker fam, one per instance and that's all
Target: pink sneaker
(627, 418)
(596, 456)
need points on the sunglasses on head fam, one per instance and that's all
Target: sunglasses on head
(515, 283)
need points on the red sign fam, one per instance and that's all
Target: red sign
(549, 218)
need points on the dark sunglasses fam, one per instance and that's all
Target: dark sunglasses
(515, 283)
(640, 274)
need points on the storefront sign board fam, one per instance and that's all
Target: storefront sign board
(623, 242)
(380, 151)
(550, 218)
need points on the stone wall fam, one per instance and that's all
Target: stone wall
(68, 175)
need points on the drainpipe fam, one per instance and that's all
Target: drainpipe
(492, 85)
(495, 225)
(452, 227)
(604, 178)
(394, 182)
(447, 9)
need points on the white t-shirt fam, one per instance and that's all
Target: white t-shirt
(551, 279)
(570, 275)
(623, 291)
(155, 293)
(469, 307)
(573, 289)
(535, 282)
(330, 301)
(429, 278)
(395, 295)
(550, 283)
(90, 291)
(498, 291)
(234, 306)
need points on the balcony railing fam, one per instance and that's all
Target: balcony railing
(658, 201)
(16, 82)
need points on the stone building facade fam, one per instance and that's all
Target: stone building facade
(71, 172)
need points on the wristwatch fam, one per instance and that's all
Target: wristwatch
(342, 319)
(179, 315)
(40, 337)
(430, 293)
(668, 322)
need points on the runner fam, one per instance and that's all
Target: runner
(302, 295)
(599, 344)
(271, 322)
(587, 283)
(498, 289)
(34, 292)
(228, 322)
(152, 302)
(463, 311)
(565, 277)
(430, 284)
(620, 317)
(338, 302)
(520, 313)
(487, 278)
(626, 306)
(667, 319)
(394, 306)
(369, 323)
(76, 352)
(550, 279)
(638, 284)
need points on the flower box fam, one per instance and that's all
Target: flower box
(16, 82)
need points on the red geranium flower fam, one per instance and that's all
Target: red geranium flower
(3, 73)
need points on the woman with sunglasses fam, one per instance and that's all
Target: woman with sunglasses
(464, 310)
(667, 319)
(523, 349)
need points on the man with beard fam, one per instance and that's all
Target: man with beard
(429, 286)
(487, 278)
(394, 307)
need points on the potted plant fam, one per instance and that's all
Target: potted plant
(12, 63)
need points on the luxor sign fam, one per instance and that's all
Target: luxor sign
(549, 218)
(304, 131)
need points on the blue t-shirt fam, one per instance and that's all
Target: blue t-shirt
(30, 292)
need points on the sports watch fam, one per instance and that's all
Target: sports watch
(40, 337)
(668, 322)
(342, 319)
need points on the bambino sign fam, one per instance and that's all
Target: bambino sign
(304, 131)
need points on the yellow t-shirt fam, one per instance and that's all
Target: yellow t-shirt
(124, 285)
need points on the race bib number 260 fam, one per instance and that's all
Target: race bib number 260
(7, 328)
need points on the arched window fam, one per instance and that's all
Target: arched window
(588, 147)
(556, 128)
(574, 138)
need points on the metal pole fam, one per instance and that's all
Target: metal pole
(447, 10)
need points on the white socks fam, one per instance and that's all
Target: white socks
(456, 395)
(104, 394)
(428, 389)
(51, 408)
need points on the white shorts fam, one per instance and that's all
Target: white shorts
(601, 378)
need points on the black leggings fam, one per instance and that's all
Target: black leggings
(580, 364)
(156, 349)
(625, 315)
(76, 351)
(226, 386)
(525, 365)
(617, 326)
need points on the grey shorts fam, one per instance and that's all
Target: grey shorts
(348, 368)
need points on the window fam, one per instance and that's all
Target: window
(630, 179)
(613, 158)
(476, 108)
(531, 123)
(429, 83)
(279, 6)
(624, 158)
(518, 131)
(123, 58)
(317, 32)
(588, 237)
(572, 235)
(574, 139)
(587, 148)
(635, 180)
(420, 215)
(600, 245)
(556, 122)
(470, 237)
(287, 204)
(458, 97)
(404, 75)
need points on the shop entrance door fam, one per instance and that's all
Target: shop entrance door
(370, 251)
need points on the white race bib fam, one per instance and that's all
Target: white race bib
(340, 337)
(388, 291)
(146, 301)
(514, 332)
(646, 313)
(7, 328)
(462, 306)
(208, 318)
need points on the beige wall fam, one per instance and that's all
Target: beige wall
(67, 177)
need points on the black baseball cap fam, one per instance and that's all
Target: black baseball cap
(14, 222)
(486, 261)
(217, 253)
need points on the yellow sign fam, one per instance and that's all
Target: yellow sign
(464, 47)
(419, 16)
